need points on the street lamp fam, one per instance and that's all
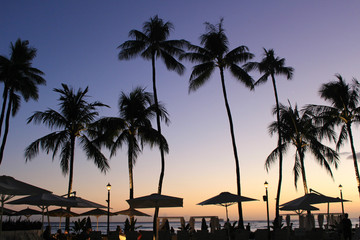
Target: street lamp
(108, 187)
(341, 196)
(266, 198)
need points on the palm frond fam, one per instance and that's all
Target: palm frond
(242, 75)
(94, 153)
(200, 74)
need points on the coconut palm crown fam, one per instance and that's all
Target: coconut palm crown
(343, 111)
(299, 130)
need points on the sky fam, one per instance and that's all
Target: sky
(77, 42)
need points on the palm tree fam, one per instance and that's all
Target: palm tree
(344, 111)
(215, 54)
(133, 127)
(270, 66)
(298, 130)
(153, 43)
(19, 77)
(72, 120)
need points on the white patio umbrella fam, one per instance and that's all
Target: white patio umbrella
(97, 212)
(79, 202)
(226, 199)
(153, 201)
(27, 212)
(61, 212)
(43, 201)
(10, 187)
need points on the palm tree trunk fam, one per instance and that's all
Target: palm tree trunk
(277, 214)
(5, 98)
(156, 214)
(241, 220)
(131, 179)
(71, 171)
(348, 126)
(301, 155)
(7, 124)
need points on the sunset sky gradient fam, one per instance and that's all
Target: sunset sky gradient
(77, 45)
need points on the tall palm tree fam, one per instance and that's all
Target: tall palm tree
(215, 54)
(71, 121)
(153, 43)
(19, 78)
(344, 111)
(299, 130)
(270, 66)
(132, 128)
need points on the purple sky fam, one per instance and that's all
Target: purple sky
(77, 41)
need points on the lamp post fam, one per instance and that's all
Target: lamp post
(266, 198)
(341, 196)
(108, 187)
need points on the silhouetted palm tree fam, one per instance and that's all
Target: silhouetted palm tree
(215, 54)
(153, 43)
(133, 127)
(298, 130)
(20, 79)
(72, 120)
(344, 111)
(270, 66)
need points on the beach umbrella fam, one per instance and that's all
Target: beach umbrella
(43, 201)
(314, 198)
(79, 202)
(298, 209)
(10, 187)
(155, 201)
(61, 212)
(27, 212)
(226, 199)
(131, 212)
(97, 212)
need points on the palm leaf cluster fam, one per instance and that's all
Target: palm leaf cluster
(299, 130)
(72, 120)
(343, 112)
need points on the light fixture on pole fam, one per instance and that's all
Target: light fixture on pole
(266, 198)
(341, 196)
(108, 187)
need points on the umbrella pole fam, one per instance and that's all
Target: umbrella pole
(42, 217)
(97, 223)
(328, 213)
(227, 218)
(60, 223)
(48, 217)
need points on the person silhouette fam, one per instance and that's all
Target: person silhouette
(346, 227)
